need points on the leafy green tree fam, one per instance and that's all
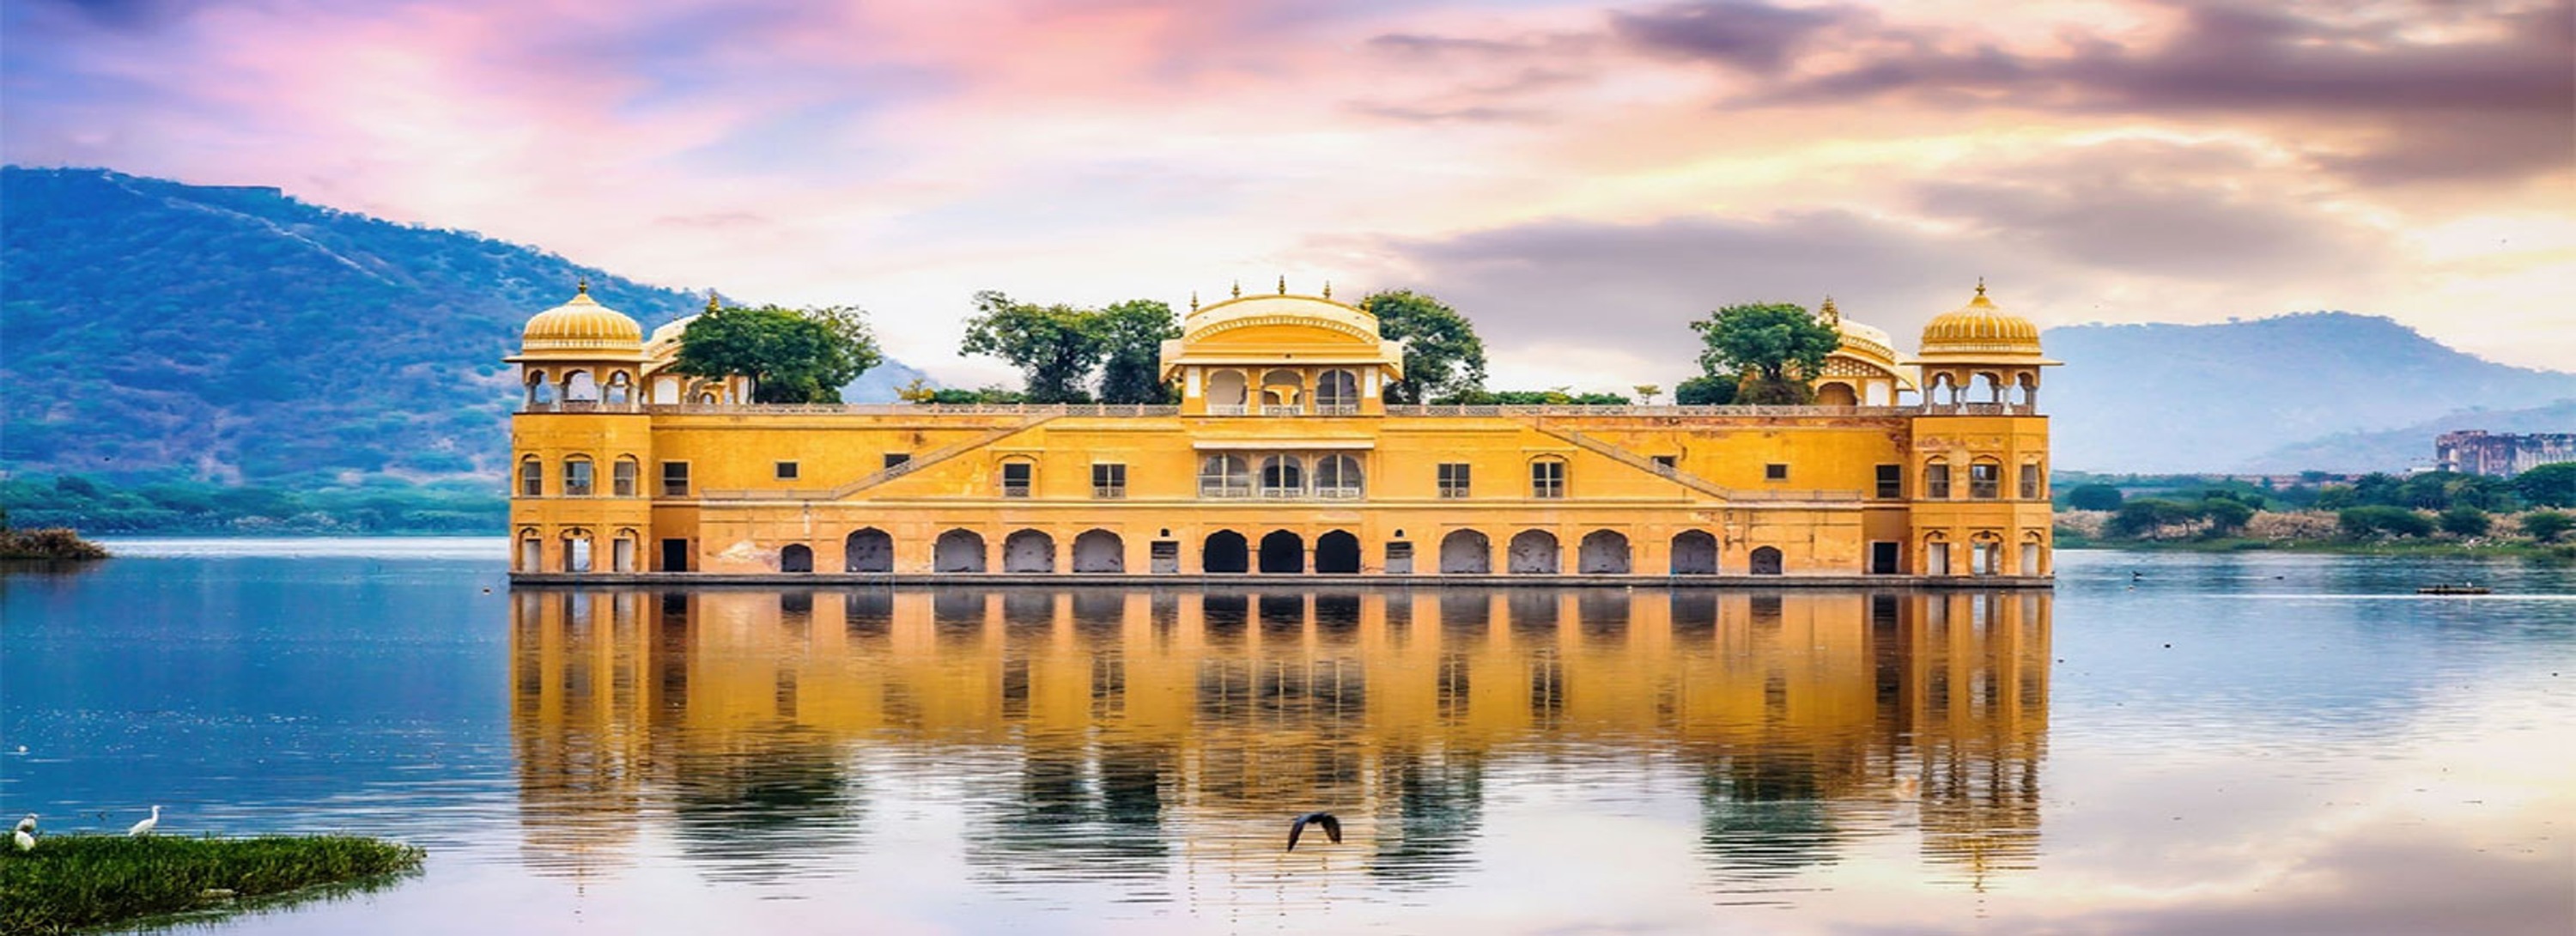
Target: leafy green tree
(2144, 516)
(2093, 497)
(2548, 485)
(2363, 521)
(1442, 355)
(1133, 333)
(2225, 516)
(1775, 347)
(2547, 525)
(791, 355)
(2465, 520)
(1055, 347)
(1706, 390)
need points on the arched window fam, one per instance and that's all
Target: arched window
(1225, 476)
(619, 389)
(2034, 481)
(1283, 476)
(1019, 477)
(958, 551)
(1337, 552)
(1984, 388)
(531, 551)
(1533, 552)
(1936, 480)
(1338, 477)
(1603, 552)
(1936, 554)
(1283, 553)
(1280, 390)
(1694, 553)
(1764, 561)
(1985, 479)
(1337, 392)
(581, 387)
(576, 480)
(796, 557)
(622, 477)
(539, 391)
(532, 477)
(1099, 551)
(1028, 551)
(622, 552)
(1226, 393)
(666, 389)
(1836, 393)
(868, 550)
(576, 556)
(1226, 552)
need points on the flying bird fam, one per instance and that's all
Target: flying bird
(1332, 827)
(145, 827)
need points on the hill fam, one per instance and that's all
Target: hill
(2181, 398)
(2412, 446)
(233, 333)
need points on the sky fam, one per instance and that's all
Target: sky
(1580, 180)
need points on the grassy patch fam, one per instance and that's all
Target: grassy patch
(73, 882)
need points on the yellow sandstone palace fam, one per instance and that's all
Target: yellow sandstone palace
(1283, 459)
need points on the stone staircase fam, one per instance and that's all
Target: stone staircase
(937, 455)
(1631, 459)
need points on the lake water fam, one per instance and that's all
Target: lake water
(2168, 743)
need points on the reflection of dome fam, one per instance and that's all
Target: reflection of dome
(1980, 328)
(581, 325)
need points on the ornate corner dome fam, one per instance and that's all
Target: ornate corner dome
(1979, 329)
(581, 325)
(1863, 341)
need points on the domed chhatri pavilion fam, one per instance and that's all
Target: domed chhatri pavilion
(1284, 459)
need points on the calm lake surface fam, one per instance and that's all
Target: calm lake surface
(2220, 744)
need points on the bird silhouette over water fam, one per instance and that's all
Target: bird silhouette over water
(1332, 827)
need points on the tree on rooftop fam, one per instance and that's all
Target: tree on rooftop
(1055, 347)
(1442, 355)
(1133, 333)
(1774, 347)
(791, 355)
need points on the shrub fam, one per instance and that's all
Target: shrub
(2465, 520)
(2093, 497)
(2547, 525)
(2362, 522)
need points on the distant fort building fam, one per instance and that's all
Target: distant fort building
(1283, 459)
(2479, 452)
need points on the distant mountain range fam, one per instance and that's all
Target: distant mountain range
(234, 333)
(2322, 390)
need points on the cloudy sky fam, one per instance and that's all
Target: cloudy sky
(1580, 179)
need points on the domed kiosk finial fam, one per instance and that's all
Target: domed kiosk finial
(581, 287)
(712, 305)
(1283, 284)
(1831, 315)
(1194, 300)
(1238, 289)
(1328, 289)
(1981, 287)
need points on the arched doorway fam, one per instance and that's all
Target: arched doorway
(1099, 551)
(1028, 551)
(1765, 561)
(1283, 553)
(1603, 552)
(1337, 553)
(797, 557)
(1226, 553)
(1226, 392)
(1694, 553)
(1533, 552)
(1836, 393)
(868, 550)
(958, 551)
(1466, 552)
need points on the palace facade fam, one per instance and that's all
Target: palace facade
(1283, 458)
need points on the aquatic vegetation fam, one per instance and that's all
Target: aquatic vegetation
(72, 882)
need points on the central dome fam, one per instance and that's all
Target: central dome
(581, 324)
(1980, 328)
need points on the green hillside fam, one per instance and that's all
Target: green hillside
(152, 328)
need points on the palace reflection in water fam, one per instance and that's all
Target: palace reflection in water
(1141, 736)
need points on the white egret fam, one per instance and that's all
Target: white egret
(145, 827)
(25, 841)
(27, 824)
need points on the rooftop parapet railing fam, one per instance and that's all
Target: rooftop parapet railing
(1144, 410)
